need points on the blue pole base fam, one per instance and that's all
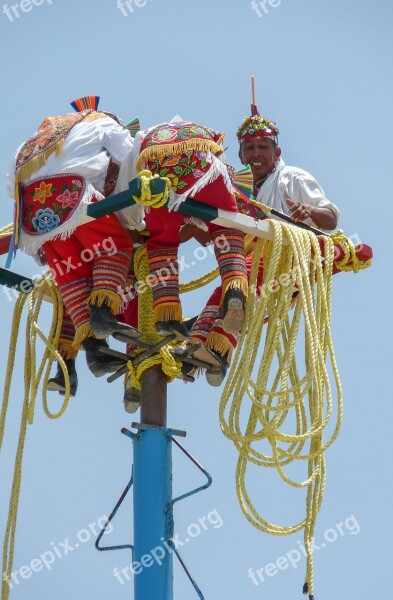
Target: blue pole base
(153, 514)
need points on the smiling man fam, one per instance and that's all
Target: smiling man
(289, 189)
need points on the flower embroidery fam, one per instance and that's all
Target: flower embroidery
(68, 198)
(171, 160)
(77, 183)
(198, 130)
(164, 135)
(42, 192)
(174, 181)
(45, 220)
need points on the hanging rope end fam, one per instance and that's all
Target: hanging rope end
(305, 591)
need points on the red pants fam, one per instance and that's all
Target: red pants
(163, 245)
(208, 327)
(90, 267)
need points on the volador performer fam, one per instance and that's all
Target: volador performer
(190, 156)
(53, 178)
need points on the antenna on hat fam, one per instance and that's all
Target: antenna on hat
(254, 108)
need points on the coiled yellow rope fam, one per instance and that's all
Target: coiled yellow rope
(274, 408)
(147, 198)
(146, 325)
(355, 265)
(32, 378)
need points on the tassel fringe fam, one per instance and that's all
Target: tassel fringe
(237, 284)
(108, 297)
(163, 150)
(34, 164)
(66, 349)
(219, 343)
(82, 332)
(168, 312)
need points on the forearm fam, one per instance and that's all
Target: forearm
(323, 218)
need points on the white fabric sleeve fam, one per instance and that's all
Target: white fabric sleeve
(302, 187)
(118, 142)
(131, 217)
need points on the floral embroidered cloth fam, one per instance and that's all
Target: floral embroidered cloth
(177, 137)
(177, 132)
(246, 208)
(49, 133)
(182, 169)
(48, 203)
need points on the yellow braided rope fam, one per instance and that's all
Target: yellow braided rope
(190, 286)
(146, 325)
(287, 406)
(356, 265)
(6, 231)
(147, 198)
(32, 378)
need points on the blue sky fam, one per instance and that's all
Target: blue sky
(323, 73)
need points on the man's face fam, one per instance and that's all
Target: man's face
(111, 178)
(261, 153)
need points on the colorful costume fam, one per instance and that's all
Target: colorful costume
(55, 175)
(187, 154)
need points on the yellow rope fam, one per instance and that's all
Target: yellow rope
(190, 286)
(355, 265)
(32, 378)
(6, 231)
(146, 325)
(147, 198)
(257, 411)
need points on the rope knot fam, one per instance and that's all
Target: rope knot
(146, 197)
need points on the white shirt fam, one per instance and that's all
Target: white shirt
(295, 184)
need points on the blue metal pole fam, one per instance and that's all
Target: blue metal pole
(153, 515)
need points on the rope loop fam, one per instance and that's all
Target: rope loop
(147, 198)
(349, 262)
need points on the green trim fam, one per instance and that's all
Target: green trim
(202, 211)
(14, 280)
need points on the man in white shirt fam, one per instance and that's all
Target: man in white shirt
(288, 189)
